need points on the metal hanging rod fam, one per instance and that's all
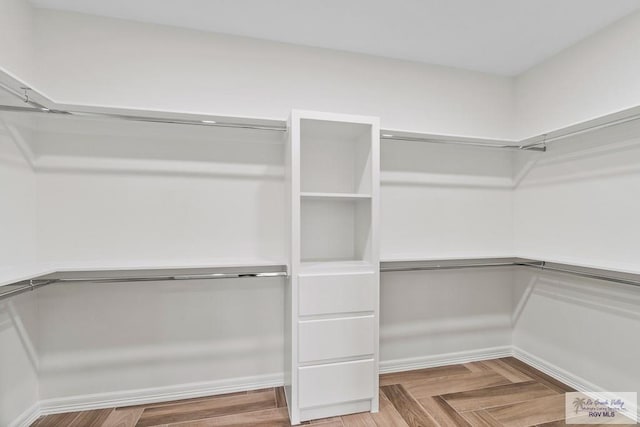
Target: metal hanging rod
(431, 140)
(591, 273)
(588, 272)
(539, 143)
(157, 275)
(135, 118)
(125, 276)
(36, 107)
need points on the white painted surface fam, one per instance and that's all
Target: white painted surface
(337, 293)
(336, 383)
(325, 339)
(597, 76)
(98, 61)
(18, 212)
(18, 358)
(577, 203)
(425, 314)
(586, 328)
(445, 202)
(16, 38)
(140, 195)
(461, 33)
(100, 338)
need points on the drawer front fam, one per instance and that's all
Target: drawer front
(343, 293)
(335, 338)
(336, 383)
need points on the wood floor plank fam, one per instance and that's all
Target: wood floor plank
(454, 384)
(56, 420)
(507, 371)
(94, 418)
(275, 417)
(442, 412)
(281, 399)
(191, 400)
(480, 419)
(537, 375)
(410, 410)
(327, 422)
(531, 412)
(335, 422)
(420, 374)
(489, 397)
(199, 410)
(476, 367)
(358, 420)
(123, 417)
(388, 416)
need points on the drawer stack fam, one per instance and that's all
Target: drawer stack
(337, 341)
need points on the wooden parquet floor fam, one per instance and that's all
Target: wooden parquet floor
(499, 392)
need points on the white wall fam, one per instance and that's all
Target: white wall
(585, 329)
(100, 61)
(18, 358)
(160, 335)
(434, 317)
(444, 202)
(578, 203)
(157, 195)
(18, 213)
(595, 77)
(16, 38)
(18, 322)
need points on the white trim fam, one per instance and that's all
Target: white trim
(28, 417)
(552, 370)
(574, 381)
(158, 394)
(413, 363)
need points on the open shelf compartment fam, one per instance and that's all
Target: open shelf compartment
(335, 157)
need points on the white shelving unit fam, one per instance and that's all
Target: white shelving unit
(333, 290)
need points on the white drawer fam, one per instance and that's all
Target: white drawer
(335, 338)
(339, 293)
(336, 383)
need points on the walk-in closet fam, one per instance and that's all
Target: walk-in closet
(336, 213)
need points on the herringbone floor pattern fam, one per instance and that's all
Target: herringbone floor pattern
(499, 392)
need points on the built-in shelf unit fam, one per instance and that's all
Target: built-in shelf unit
(333, 289)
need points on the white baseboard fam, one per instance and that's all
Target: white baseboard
(158, 394)
(574, 381)
(561, 375)
(28, 417)
(413, 363)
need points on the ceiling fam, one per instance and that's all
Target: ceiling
(496, 36)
